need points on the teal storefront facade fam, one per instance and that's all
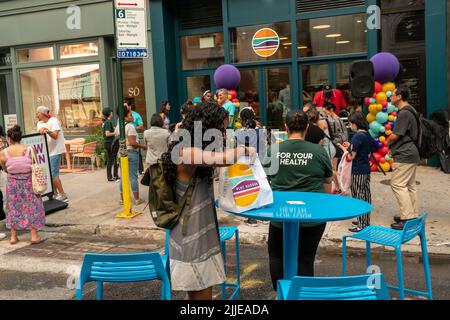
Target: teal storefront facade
(44, 60)
(318, 41)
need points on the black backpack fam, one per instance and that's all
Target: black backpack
(427, 135)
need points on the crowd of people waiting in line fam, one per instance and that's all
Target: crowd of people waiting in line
(318, 131)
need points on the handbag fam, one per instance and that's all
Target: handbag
(39, 181)
(145, 181)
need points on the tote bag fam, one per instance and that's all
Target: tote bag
(344, 175)
(244, 186)
(38, 179)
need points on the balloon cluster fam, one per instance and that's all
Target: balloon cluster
(228, 77)
(382, 114)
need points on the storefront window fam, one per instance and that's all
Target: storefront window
(5, 58)
(248, 90)
(197, 85)
(133, 86)
(343, 83)
(278, 91)
(202, 51)
(71, 93)
(7, 101)
(78, 50)
(243, 43)
(332, 36)
(314, 78)
(35, 54)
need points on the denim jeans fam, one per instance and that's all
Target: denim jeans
(133, 165)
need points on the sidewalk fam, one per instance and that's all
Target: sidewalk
(94, 203)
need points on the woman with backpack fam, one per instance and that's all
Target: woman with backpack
(359, 152)
(338, 134)
(196, 263)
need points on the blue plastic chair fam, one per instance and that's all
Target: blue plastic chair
(134, 267)
(395, 238)
(226, 233)
(364, 287)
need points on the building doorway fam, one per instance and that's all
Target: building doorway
(7, 98)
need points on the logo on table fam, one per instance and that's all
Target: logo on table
(265, 42)
(244, 185)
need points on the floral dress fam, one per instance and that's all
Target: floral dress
(24, 209)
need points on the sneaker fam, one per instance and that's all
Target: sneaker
(397, 218)
(138, 202)
(398, 225)
(355, 223)
(111, 179)
(62, 197)
(355, 230)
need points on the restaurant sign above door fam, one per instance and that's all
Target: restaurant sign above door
(265, 42)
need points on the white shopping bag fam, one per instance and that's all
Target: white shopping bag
(344, 175)
(244, 186)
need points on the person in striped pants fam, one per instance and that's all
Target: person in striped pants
(358, 152)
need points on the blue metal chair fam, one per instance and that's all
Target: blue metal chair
(226, 233)
(395, 238)
(364, 287)
(134, 267)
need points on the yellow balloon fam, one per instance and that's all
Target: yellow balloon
(379, 107)
(229, 97)
(388, 86)
(382, 139)
(381, 97)
(385, 166)
(388, 132)
(391, 118)
(371, 118)
(238, 104)
(373, 109)
(215, 97)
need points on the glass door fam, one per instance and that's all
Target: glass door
(277, 96)
(7, 99)
(313, 78)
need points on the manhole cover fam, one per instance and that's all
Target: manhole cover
(388, 182)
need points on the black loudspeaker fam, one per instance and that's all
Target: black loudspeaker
(362, 79)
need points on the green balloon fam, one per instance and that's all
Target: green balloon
(374, 126)
(381, 129)
(373, 134)
(390, 108)
(382, 117)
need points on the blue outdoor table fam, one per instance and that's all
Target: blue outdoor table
(293, 208)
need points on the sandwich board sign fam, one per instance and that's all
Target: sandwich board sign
(131, 28)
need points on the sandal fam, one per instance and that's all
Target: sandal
(40, 240)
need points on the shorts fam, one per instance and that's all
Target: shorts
(55, 162)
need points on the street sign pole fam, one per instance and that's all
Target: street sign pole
(128, 212)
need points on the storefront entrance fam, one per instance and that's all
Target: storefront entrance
(7, 101)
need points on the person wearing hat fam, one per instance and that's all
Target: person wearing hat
(330, 95)
(196, 101)
(108, 138)
(49, 126)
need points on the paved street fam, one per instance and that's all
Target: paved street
(88, 225)
(44, 271)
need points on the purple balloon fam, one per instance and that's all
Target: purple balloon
(380, 145)
(386, 67)
(384, 109)
(227, 76)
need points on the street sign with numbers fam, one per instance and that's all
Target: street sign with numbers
(131, 29)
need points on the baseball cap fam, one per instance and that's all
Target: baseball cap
(44, 110)
(197, 100)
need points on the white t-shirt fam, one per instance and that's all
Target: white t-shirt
(57, 146)
(130, 130)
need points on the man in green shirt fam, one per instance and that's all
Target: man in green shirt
(302, 166)
(228, 105)
(108, 137)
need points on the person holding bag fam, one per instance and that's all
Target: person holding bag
(24, 208)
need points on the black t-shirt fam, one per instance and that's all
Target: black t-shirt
(314, 134)
(108, 126)
(361, 144)
(404, 150)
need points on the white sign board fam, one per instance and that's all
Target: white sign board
(131, 29)
(10, 120)
(39, 143)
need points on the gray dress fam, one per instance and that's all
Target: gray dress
(196, 261)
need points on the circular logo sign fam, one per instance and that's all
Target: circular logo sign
(265, 42)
